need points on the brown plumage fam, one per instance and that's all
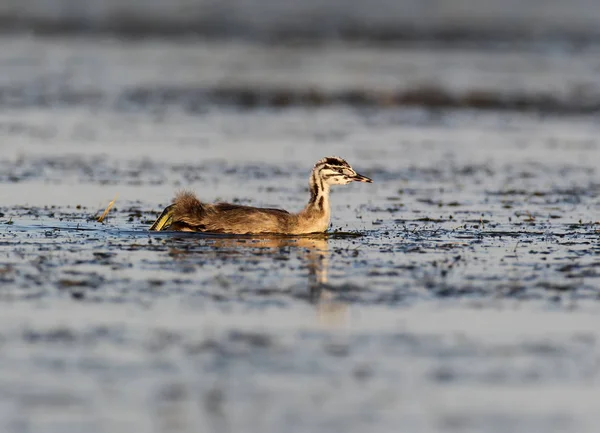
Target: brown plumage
(187, 213)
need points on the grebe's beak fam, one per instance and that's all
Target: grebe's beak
(360, 178)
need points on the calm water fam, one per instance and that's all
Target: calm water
(466, 298)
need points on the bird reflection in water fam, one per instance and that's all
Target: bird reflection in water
(330, 310)
(313, 252)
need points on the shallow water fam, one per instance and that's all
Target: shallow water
(461, 293)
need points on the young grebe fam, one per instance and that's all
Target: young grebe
(187, 213)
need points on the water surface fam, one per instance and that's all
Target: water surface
(465, 300)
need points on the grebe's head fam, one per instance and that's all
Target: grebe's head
(334, 170)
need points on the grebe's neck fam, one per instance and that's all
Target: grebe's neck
(319, 194)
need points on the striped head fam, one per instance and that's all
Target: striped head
(333, 170)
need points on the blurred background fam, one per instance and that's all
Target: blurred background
(536, 55)
(402, 20)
